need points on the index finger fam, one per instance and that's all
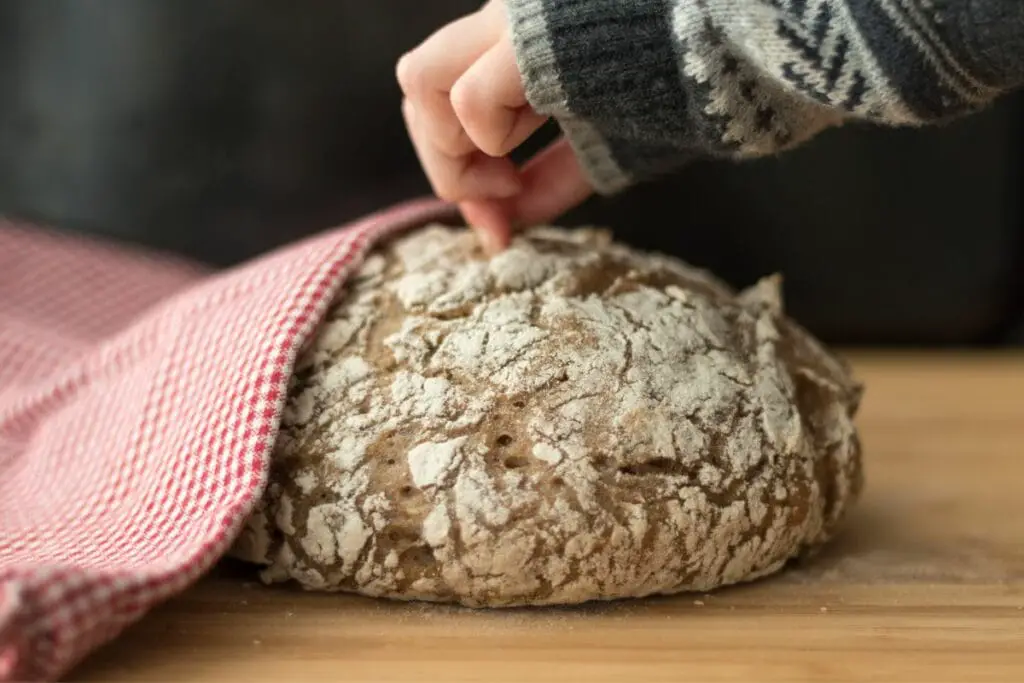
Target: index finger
(427, 73)
(436, 63)
(491, 103)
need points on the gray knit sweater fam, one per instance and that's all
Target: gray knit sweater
(642, 86)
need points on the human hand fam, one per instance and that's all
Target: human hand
(466, 110)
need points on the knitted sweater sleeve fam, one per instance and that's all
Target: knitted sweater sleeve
(640, 87)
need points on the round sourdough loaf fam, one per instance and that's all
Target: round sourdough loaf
(568, 421)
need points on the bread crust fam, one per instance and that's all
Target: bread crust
(572, 420)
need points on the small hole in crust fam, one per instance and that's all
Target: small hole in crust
(418, 555)
(515, 462)
(563, 377)
(391, 461)
(504, 440)
(402, 535)
(518, 404)
(600, 461)
(558, 482)
(651, 466)
(406, 491)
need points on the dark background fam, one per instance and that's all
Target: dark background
(220, 129)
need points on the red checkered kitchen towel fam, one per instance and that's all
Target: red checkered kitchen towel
(139, 402)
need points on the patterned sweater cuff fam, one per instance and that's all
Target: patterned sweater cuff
(642, 86)
(547, 46)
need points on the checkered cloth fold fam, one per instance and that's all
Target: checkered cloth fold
(139, 403)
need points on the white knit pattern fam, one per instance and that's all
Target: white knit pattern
(811, 47)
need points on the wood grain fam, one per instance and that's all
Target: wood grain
(926, 583)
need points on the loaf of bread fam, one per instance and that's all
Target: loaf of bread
(571, 420)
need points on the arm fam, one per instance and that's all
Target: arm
(642, 86)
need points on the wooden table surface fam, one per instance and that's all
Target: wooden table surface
(927, 583)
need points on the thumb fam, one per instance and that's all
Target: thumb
(552, 183)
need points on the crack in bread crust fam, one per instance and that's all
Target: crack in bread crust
(569, 421)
